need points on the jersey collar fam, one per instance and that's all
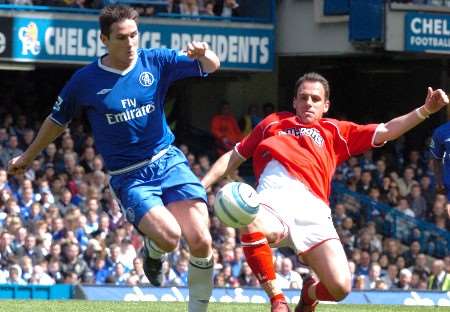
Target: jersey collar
(115, 70)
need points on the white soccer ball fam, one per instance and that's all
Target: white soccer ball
(236, 204)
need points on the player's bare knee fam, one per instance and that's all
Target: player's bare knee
(341, 290)
(273, 237)
(200, 245)
(171, 239)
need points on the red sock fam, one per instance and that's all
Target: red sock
(259, 256)
(305, 295)
(277, 297)
(322, 293)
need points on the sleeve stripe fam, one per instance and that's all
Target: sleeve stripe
(268, 126)
(434, 155)
(373, 137)
(202, 74)
(57, 122)
(340, 136)
(239, 154)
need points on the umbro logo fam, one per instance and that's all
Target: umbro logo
(103, 91)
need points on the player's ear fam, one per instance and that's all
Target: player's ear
(103, 38)
(326, 106)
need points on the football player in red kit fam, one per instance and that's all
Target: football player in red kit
(294, 159)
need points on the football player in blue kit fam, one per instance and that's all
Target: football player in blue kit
(440, 150)
(123, 95)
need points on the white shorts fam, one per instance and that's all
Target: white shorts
(306, 217)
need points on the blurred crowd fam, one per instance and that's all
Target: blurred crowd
(445, 3)
(59, 223)
(223, 8)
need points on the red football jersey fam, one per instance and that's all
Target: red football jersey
(309, 152)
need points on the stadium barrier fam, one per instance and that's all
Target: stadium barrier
(256, 295)
(23, 292)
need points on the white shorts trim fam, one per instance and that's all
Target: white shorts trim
(307, 217)
(139, 164)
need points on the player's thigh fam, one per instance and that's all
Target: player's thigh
(329, 262)
(270, 223)
(192, 215)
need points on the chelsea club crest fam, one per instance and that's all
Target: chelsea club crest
(146, 79)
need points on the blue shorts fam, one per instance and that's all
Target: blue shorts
(158, 183)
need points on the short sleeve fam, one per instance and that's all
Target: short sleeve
(354, 139)
(177, 65)
(65, 107)
(248, 144)
(436, 147)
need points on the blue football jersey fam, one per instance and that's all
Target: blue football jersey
(125, 108)
(440, 149)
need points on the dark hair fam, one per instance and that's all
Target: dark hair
(314, 77)
(115, 13)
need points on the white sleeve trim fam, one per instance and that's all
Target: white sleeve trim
(374, 134)
(434, 155)
(202, 73)
(57, 122)
(239, 154)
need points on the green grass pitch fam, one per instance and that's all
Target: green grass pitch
(111, 306)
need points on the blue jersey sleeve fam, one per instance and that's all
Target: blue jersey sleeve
(177, 65)
(65, 107)
(436, 145)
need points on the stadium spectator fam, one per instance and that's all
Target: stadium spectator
(406, 182)
(439, 278)
(286, 277)
(227, 8)
(54, 270)
(250, 119)
(11, 150)
(417, 202)
(225, 128)
(172, 7)
(7, 256)
(208, 8)
(100, 271)
(73, 263)
(15, 276)
(138, 270)
(181, 271)
(404, 280)
(189, 7)
(40, 277)
(373, 277)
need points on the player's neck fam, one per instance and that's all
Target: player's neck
(111, 62)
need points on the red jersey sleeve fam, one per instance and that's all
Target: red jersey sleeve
(354, 139)
(248, 144)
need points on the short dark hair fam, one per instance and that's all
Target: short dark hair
(115, 13)
(314, 77)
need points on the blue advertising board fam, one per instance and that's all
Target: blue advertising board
(257, 295)
(78, 41)
(425, 32)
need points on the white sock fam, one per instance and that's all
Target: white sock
(200, 283)
(154, 251)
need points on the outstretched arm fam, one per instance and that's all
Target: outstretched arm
(436, 99)
(208, 59)
(223, 166)
(47, 133)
